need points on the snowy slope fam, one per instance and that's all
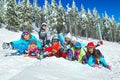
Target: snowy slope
(13, 67)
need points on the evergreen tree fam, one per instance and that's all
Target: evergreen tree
(1, 11)
(84, 21)
(11, 15)
(60, 18)
(53, 14)
(37, 14)
(25, 12)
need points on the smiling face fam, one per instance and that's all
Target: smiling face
(44, 27)
(33, 46)
(26, 37)
(90, 50)
(73, 42)
(67, 39)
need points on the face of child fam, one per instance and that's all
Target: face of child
(91, 49)
(33, 46)
(54, 51)
(26, 37)
(73, 42)
(67, 39)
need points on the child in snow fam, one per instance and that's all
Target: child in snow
(94, 56)
(33, 49)
(54, 50)
(73, 41)
(77, 53)
(22, 44)
(65, 42)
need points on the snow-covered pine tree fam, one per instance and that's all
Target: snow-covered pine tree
(61, 18)
(97, 27)
(72, 17)
(75, 16)
(53, 14)
(67, 19)
(91, 25)
(46, 13)
(84, 21)
(11, 15)
(37, 14)
(25, 12)
(1, 11)
(113, 28)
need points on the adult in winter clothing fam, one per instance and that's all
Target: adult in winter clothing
(94, 56)
(54, 50)
(33, 49)
(77, 53)
(22, 44)
(44, 34)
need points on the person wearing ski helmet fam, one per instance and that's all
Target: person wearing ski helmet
(77, 53)
(95, 57)
(54, 50)
(22, 44)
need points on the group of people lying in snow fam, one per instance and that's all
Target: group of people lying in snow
(67, 47)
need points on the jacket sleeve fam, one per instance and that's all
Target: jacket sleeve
(17, 42)
(35, 28)
(82, 53)
(91, 61)
(61, 38)
(48, 34)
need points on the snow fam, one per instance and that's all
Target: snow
(14, 67)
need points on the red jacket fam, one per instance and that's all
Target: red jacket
(58, 54)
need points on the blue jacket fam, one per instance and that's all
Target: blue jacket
(61, 38)
(22, 44)
(92, 61)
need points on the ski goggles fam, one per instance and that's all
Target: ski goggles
(77, 48)
(25, 33)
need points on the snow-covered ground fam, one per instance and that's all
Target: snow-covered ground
(14, 67)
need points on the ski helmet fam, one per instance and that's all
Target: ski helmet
(77, 45)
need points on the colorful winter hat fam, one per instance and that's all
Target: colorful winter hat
(68, 36)
(44, 24)
(91, 44)
(73, 38)
(56, 46)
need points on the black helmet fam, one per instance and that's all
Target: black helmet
(55, 39)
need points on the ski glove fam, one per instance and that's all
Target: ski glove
(6, 45)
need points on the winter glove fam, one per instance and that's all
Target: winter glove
(47, 42)
(109, 68)
(7, 45)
